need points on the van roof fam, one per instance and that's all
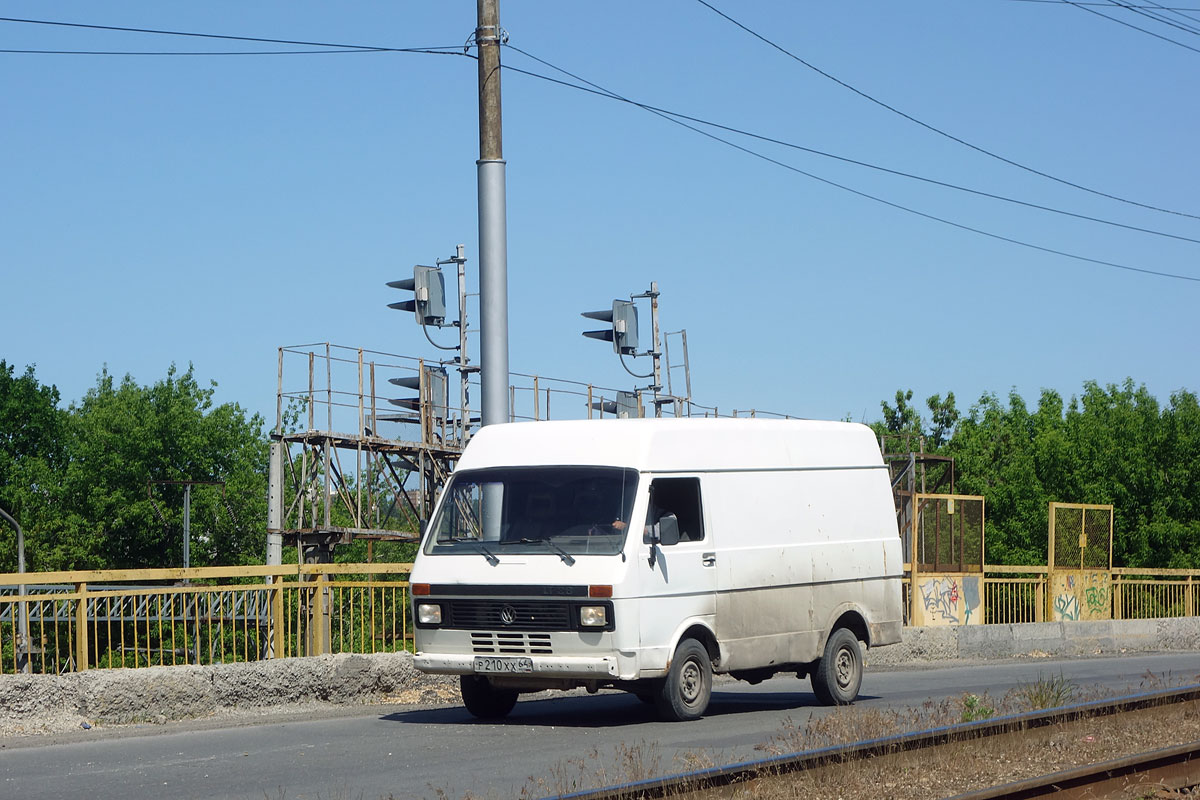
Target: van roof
(675, 445)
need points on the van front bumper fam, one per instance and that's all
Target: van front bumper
(580, 667)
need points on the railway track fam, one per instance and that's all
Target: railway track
(1171, 768)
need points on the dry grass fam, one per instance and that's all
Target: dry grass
(937, 772)
(628, 763)
(981, 763)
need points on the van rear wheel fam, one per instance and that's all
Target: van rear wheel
(685, 693)
(837, 677)
(484, 700)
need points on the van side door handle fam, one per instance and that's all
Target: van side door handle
(708, 559)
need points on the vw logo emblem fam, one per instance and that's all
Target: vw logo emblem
(508, 615)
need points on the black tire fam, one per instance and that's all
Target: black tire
(686, 691)
(837, 677)
(484, 700)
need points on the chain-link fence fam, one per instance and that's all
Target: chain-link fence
(1081, 536)
(1080, 559)
(948, 533)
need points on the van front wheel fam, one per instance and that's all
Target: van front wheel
(838, 675)
(685, 693)
(484, 700)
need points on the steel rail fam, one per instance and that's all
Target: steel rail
(715, 777)
(1170, 768)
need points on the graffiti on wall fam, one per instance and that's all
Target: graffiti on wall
(1083, 595)
(1098, 599)
(951, 600)
(971, 600)
(1066, 607)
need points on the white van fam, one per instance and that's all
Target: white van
(647, 554)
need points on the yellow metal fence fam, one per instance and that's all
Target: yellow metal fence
(1019, 593)
(1014, 594)
(1147, 594)
(137, 618)
(165, 617)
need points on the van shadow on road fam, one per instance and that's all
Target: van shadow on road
(610, 710)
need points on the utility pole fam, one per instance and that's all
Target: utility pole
(464, 362)
(187, 510)
(187, 525)
(493, 237)
(655, 349)
(21, 645)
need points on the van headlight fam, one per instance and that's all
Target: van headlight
(593, 616)
(429, 613)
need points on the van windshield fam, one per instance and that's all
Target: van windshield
(550, 510)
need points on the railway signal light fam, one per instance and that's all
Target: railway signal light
(435, 394)
(626, 406)
(429, 295)
(624, 331)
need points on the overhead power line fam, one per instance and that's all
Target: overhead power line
(596, 89)
(328, 47)
(857, 162)
(939, 131)
(341, 49)
(1158, 16)
(449, 50)
(1123, 22)
(1179, 12)
(208, 52)
(1150, 11)
(1111, 5)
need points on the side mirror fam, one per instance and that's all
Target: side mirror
(668, 530)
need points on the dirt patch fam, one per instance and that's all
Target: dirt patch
(994, 761)
(48, 704)
(934, 772)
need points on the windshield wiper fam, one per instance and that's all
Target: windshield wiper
(488, 554)
(567, 558)
(483, 551)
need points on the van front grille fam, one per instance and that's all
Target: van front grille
(520, 644)
(506, 615)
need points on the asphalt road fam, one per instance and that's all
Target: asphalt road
(382, 751)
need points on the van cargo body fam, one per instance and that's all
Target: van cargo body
(648, 554)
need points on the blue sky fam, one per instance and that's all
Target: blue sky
(210, 209)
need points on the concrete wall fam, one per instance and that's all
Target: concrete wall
(55, 703)
(1039, 639)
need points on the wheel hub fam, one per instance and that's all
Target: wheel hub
(844, 668)
(690, 682)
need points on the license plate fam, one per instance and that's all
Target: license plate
(483, 664)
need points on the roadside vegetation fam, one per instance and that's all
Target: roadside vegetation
(1110, 444)
(918, 775)
(76, 477)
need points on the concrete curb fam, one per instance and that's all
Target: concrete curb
(55, 703)
(50, 703)
(1040, 639)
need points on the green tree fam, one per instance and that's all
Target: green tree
(1142, 458)
(1112, 444)
(994, 457)
(32, 456)
(122, 436)
(1175, 525)
(904, 418)
(944, 416)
